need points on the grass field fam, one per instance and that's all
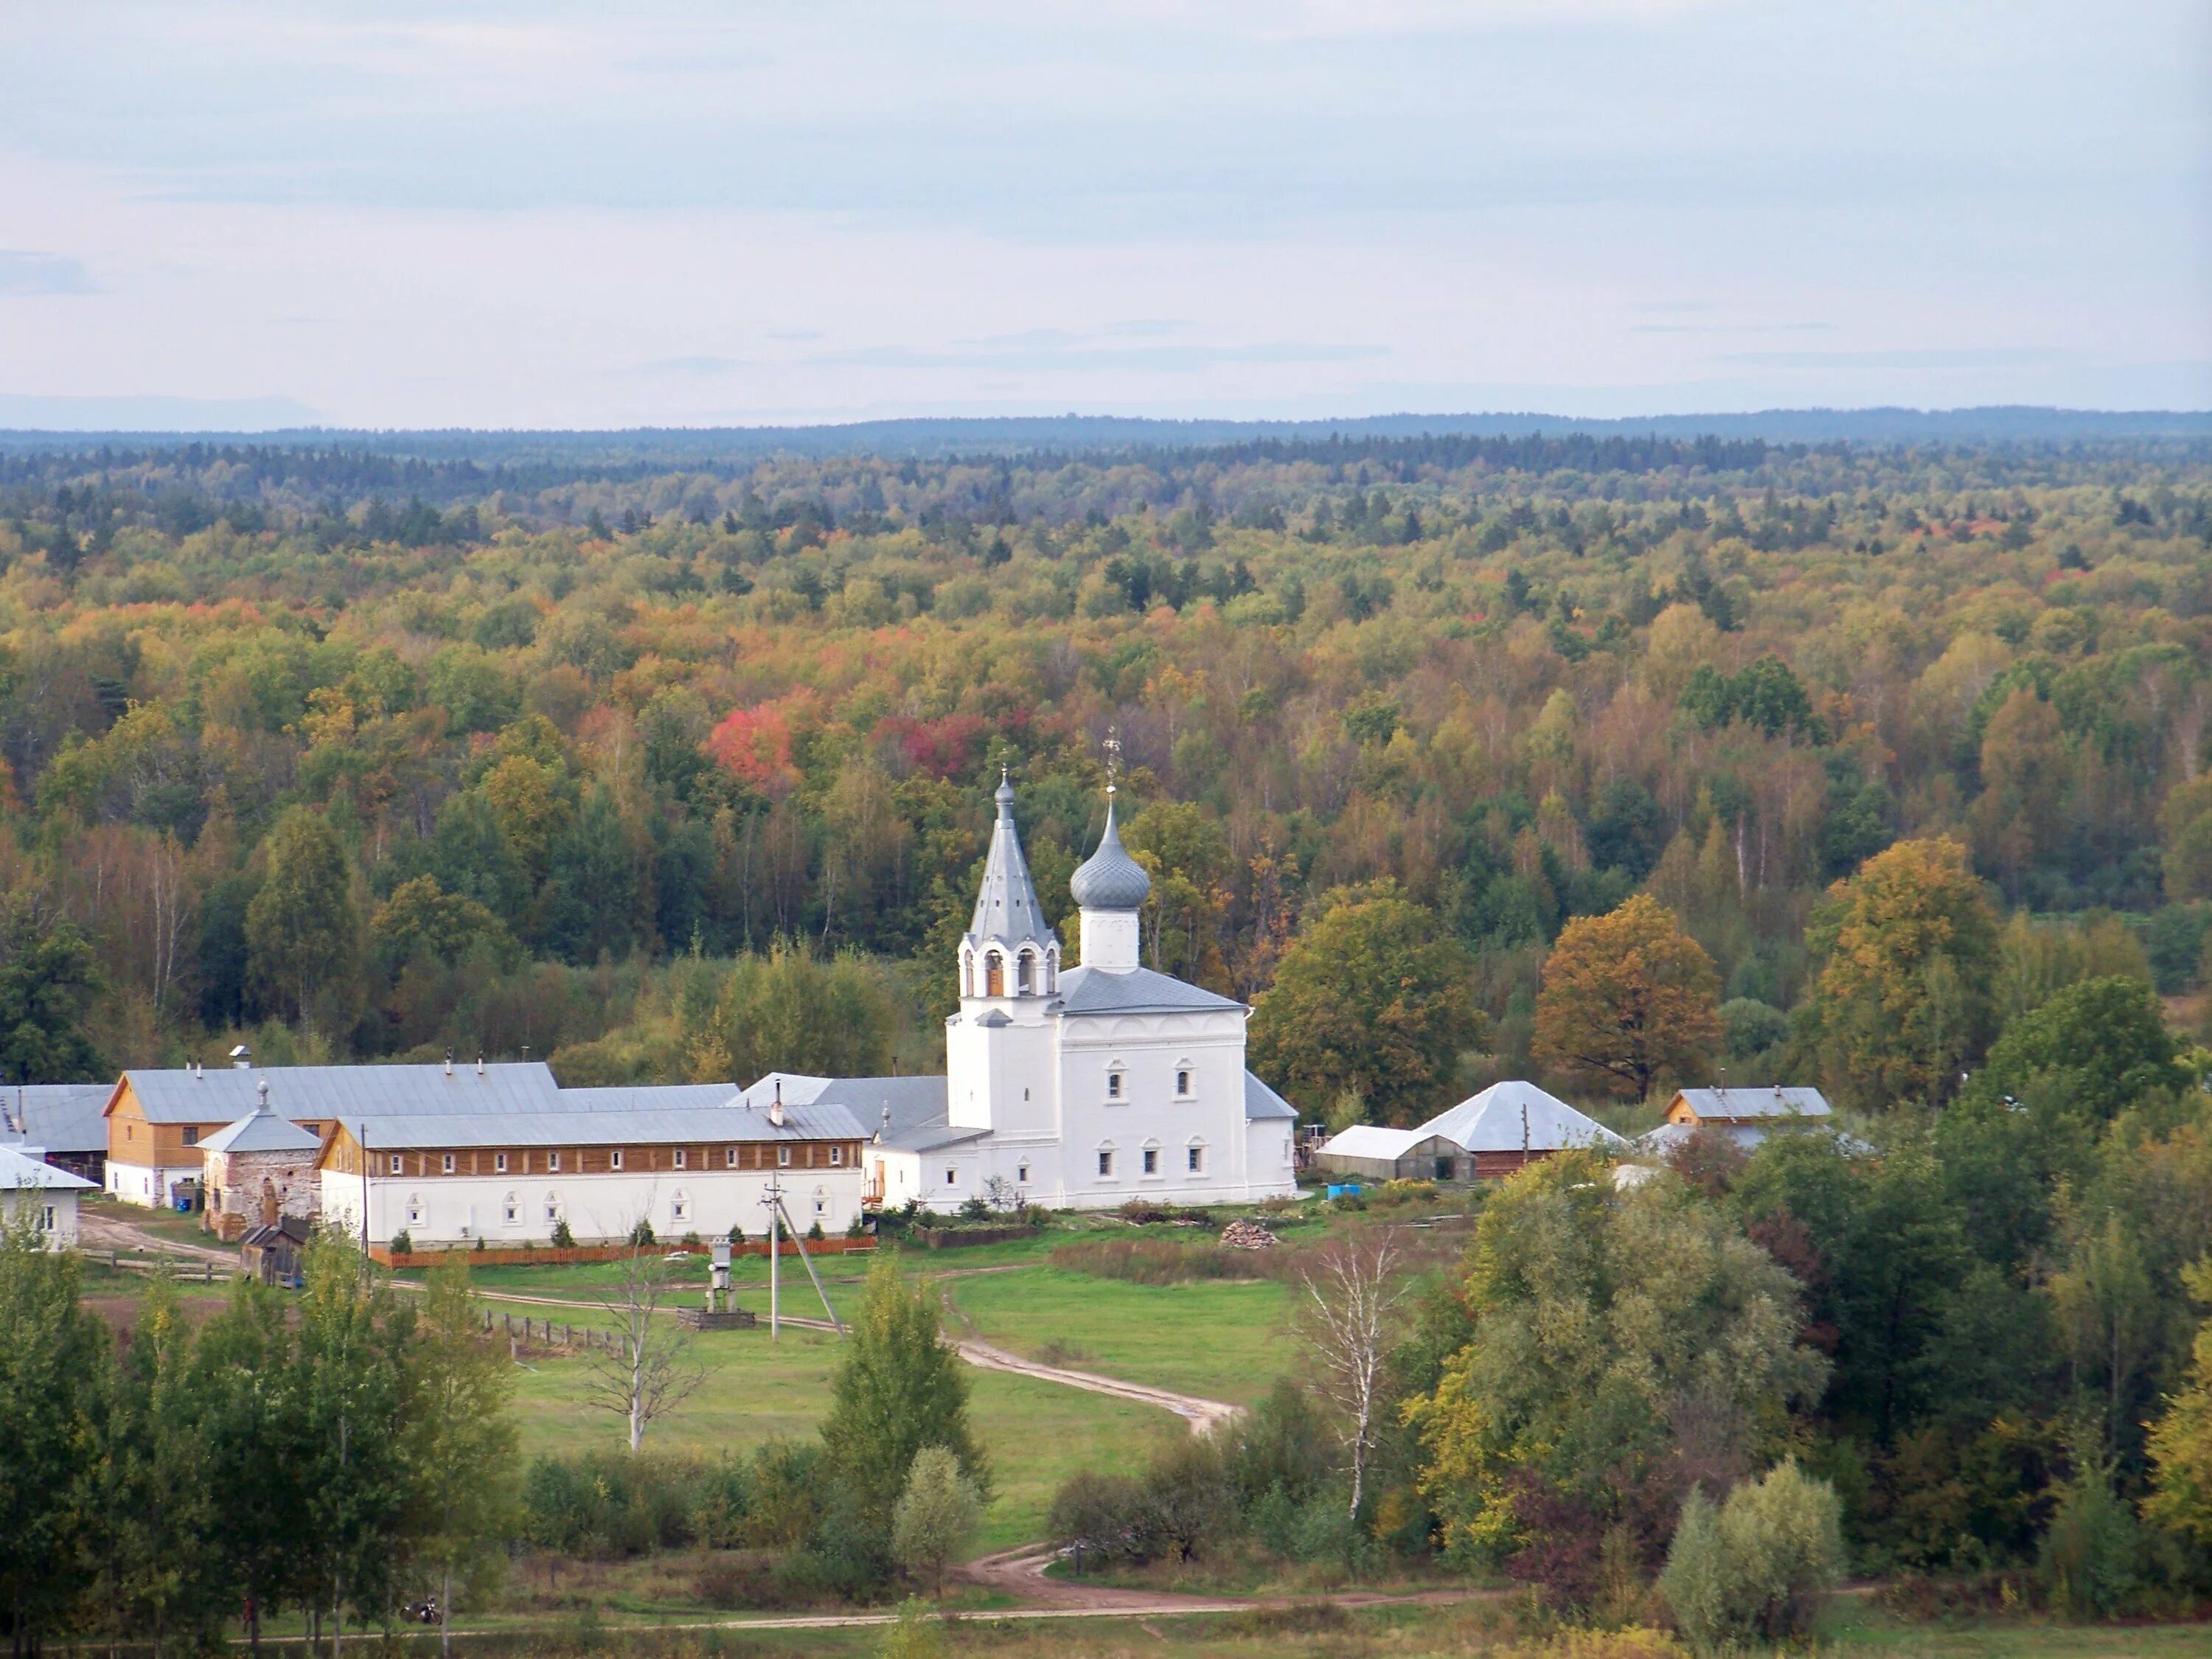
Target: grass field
(1219, 1339)
(1036, 1434)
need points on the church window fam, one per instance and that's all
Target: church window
(446, 1163)
(552, 1207)
(414, 1210)
(1194, 1156)
(1105, 1164)
(513, 1210)
(1151, 1160)
(995, 975)
(1183, 1082)
(821, 1201)
(1022, 1172)
(1114, 1084)
(679, 1207)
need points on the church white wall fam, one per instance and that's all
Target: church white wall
(599, 1208)
(1000, 1077)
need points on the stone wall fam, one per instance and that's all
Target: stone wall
(246, 1190)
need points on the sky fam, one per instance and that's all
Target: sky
(740, 212)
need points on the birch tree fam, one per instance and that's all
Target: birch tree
(652, 1368)
(1350, 1316)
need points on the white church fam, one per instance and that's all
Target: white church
(1075, 1089)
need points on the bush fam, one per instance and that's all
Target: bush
(1183, 1502)
(562, 1239)
(2091, 1558)
(641, 1236)
(1405, 1192)
(402, 1242)
(1754, 1568)
(611, 1503)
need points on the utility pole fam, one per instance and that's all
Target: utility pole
(775, 1202)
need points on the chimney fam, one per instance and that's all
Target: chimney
(449, 1063)
(480, 1070)
(241, 1058)
(775, 1111)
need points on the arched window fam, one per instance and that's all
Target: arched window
(1185, 1079)
(414, 1210)
(994, 975)
(1028, 980)
(552, 1207)
(513, 1210)
(1115, 1089)
(679, 1207)
(966, 972)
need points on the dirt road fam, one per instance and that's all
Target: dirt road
(101, 1232)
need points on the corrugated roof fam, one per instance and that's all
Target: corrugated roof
(305, 1093)
(1743, 1105)
(1261, 1102)
(21, 1172)
(1491, 1122)
(1137, 991)
(664, 1126)
(649, 1096)
(1373, 1140)
(62, 1117)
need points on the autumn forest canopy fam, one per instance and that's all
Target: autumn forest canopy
(664, 761)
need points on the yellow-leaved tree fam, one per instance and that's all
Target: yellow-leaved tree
(1627, 996)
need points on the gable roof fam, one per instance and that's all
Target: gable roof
(668, 1126)
(1492, 1121)
(1261, 1102)
(1742, 1105)
(20, 1171)
(1135, 991)
(62, 1117)
(227, 1094)
(1373, 1140)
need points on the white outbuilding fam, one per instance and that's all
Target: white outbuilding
(1486, 1135)
(36, 1194)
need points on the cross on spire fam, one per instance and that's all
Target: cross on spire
(1113, 748)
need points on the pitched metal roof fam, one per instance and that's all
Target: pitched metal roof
(1007, 909)
(20, 1171)
(647, 1097)
(305, 1093)
(1261, 1102)
(1739, 1105)
(662, 1126)
(1494, 1121)
(262, 1130)
(1110, 880)
(1134, 990)
(1373, 1140)
(62, 1117)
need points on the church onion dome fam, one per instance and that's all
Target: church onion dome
(1007, 909)
(1110, 880)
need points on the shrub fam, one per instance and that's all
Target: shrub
(641, 1236)
(2091, 1555)
(1405, 1192)
(1183, 1502)
(814, 1234)
(1754, 1568)
(562, 1239)
(936, 1517)
(402, 1242)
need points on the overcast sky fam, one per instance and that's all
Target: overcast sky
(615, 214)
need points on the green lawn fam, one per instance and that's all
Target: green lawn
(1036, 1434)
(1217, 1339)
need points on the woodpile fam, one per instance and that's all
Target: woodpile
(1248, 1235)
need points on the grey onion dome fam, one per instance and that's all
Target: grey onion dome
(1110, 880)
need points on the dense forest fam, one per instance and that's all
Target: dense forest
(372, 754)
(1615, 761)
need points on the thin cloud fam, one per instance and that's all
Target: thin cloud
(1046, 348)
(2001, 357)
(22, 272)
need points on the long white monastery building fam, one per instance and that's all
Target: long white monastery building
(1076, 1089)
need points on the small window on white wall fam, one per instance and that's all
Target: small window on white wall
(512, 1210)
(1105, 1164)
(1194, 1159)
(1021, 1172)
(1151, 1160)
(952, 1177)
(414, 1211)
(1182, 1080)
(679, 1207)
(1114, 1083)
(552, 1207)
